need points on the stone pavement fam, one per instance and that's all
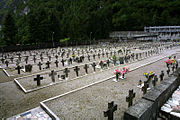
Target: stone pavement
(33, 114)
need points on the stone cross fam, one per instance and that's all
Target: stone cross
(70, 60)
(26, 59)
(19, 58)
(103, 54)
(101, 64)
(89, 57)
(176, 65)
(107, 54)
(56, 62)
(94, 56)
(12, 58)
(121, 60)
(98, 55)
(173, 67)
(76, 69)
(137, 56)
(86, 68)
(94, 66)
(155, 80)
(161, 76)
(19, 69)
(117, 76)
(111, 109)
(66, 71)
(38, 79)
(49, 58)
(130, 98)
(17, 62)
(48, 64)
(56, 56)
(34, 58)
(144, 88)
(7, 63)
(39, 64)
(111, 53)
(52, 75)
(108, 62)
(62, 61)
(41, 58)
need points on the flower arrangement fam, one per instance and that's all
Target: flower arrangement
(124, 70)
(148, 74)
(173, 60)
(170, 61)
(117, 72)
(73, 55)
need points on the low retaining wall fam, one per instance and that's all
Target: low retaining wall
(148, 107)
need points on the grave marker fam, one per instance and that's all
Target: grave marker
(41, 58)
(38, 79)
(12, 58)
(19, 69)
(94, 56)
(94, 66)
(52, 75)
(89, 57)
(161, 76)
(56, 62)
(111, 109)
(66, 71)
(7, 63)
(144, 88)
(86, 68)
(62, 61)
(39, 64)
(154, 82)
(34, 58)
(48, 64)
(130, 98)
(28, 68)
(76, 69)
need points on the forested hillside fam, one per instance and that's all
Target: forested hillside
(37, 21)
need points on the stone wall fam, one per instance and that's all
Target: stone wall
(148, 107)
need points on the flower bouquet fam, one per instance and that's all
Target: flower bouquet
(170, 61)
(123, 72)
(149, 75)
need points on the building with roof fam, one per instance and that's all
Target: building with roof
(165, 32)
(133, 36)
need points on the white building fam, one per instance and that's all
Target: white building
(165, 32)
(133, 36)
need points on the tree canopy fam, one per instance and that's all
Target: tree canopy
(83, 20)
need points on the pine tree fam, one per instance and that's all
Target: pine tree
(9, 30)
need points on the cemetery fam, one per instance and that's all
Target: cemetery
(90, 82)
(89, 60)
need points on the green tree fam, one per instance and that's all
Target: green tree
(9, 30)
